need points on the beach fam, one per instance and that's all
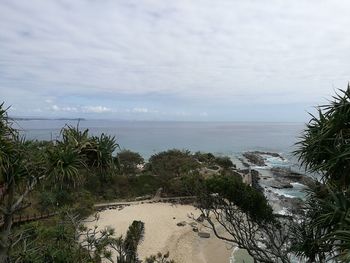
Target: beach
(162, 234)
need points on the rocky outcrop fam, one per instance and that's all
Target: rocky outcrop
(287, 175)
(255, 181)
(254, 158)
(279, 184)
(293, 205)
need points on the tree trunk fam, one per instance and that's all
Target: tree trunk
(5, 229)
(4, 238)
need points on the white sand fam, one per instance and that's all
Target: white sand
(162, 234)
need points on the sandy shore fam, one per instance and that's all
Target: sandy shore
(162, 234)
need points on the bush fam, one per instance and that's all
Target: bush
(172, 163)
(128, 161)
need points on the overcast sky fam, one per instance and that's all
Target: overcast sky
(225, 60)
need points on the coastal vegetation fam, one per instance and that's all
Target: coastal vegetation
(325, 149)
(65, 178)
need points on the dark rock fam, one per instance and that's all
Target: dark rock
(287, 175)
(204, 234)
(200, 218)
(245, 164)
(255, 181)
(183, 223)
(278, 184)
(269, 153)
(254, 158)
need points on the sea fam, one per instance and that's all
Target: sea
(150, 137)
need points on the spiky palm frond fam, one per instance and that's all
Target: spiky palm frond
(106, 146)
(325, 144)
(65, 163)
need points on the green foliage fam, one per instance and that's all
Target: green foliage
(245, 197)
(21, 168)
(143, 184)
(42, 244)
(68, 240)
(224, 162)
(172, 163)
(207, 158)
(134, 235)
(7, 136)
(159, 258)
(325, 146)
(210, 159)
(129, 160)
(65, 163)
(46, 200)
(105, 147)
(327, 222)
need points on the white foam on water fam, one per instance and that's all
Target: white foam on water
(284, 211)
(272, 161)
(298, 185)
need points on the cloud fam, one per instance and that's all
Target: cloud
(143, 110)
(55, 108)
(95, 109)
(173, 55)
(79, 109)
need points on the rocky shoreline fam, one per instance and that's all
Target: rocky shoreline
(272, 181)
(256, 157)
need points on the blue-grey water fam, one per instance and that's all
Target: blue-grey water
(147, 137)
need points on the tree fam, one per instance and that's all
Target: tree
(172, 163)
(129, 161)
(70, 241)
(224, 161)
(134, 235)
(159, 258)
(104, 160)
(20, 171)
(97, 151)
(65, 163)
(246, 218)
(325, 149)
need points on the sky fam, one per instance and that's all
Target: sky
(202, 60)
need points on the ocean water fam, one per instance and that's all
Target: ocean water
(147, 137)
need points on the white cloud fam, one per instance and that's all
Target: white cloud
(142, 110)
(232, 52)
(63, 109)
(80, 109)
(55, 108)
(95, 109)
